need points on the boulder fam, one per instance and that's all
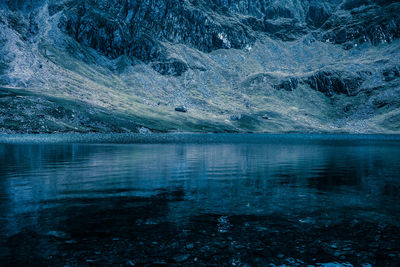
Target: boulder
(265, 117)
(181, 109)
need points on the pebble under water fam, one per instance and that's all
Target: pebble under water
(210, 200)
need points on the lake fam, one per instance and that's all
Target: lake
(200, 199)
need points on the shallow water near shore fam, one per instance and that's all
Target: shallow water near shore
(200, 199)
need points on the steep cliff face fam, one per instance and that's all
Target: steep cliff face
(236, 65)
(139, 28)
(375, 24)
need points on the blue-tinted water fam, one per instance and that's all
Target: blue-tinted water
(241, 200)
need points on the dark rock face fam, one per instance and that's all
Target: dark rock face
(318, 14)
(331, 83)
(369, 24)
(173, 67)
(288, 85)
(390, 74)
(284, 29)
(351, 4)
(139, 28)
(23, 4)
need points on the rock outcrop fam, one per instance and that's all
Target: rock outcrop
(360, 23)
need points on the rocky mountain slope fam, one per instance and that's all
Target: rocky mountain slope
(232, 65)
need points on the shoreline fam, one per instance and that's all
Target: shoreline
(187, 137)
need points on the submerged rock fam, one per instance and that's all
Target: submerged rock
(130, 263)
(181, 258)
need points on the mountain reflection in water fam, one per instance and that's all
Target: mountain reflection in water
(224, 203)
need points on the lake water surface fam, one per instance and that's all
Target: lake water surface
(182, 199)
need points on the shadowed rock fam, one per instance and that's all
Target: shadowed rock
(369, 24)
(331, 83)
